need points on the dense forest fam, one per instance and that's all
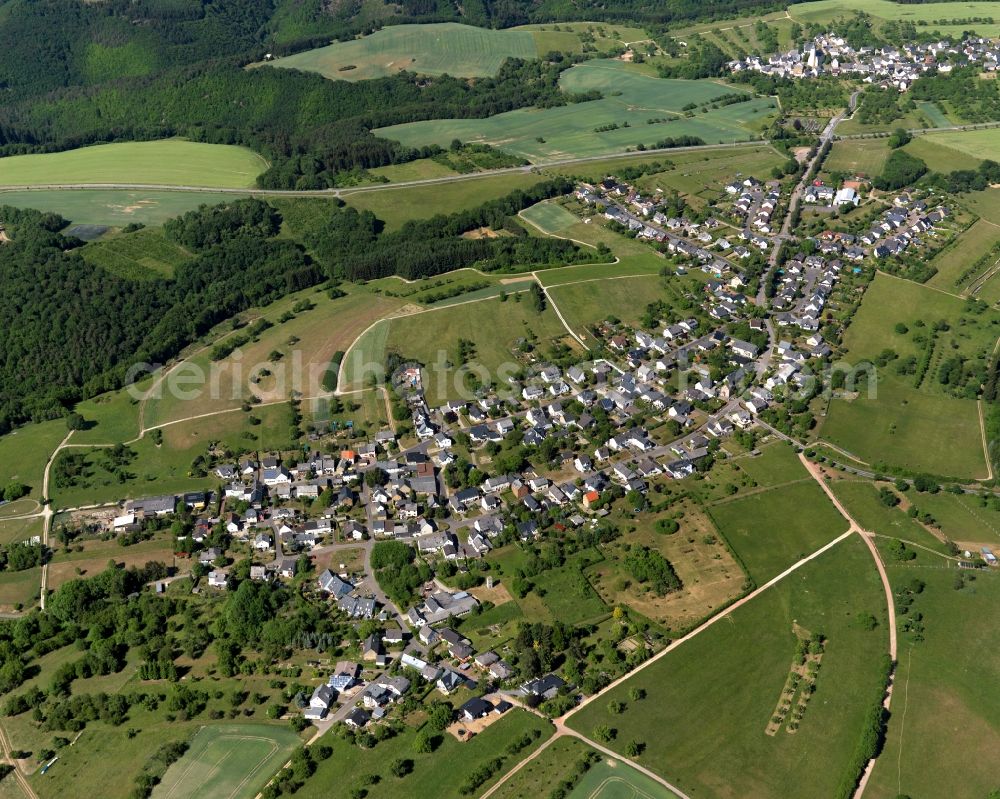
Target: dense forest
(74, 331)
(310, 128)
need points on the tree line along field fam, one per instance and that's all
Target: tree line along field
(921, 429)
(706, 706)
(598, 127)
(171, 162)
(823, 11)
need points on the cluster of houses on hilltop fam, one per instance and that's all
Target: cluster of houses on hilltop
(889, 67)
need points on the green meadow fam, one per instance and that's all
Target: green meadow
(635, 109)
(143, 255)
(171, 162)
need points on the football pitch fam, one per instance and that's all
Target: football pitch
(227, 761)
(612, 779)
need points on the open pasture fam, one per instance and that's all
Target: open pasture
(625, 117)
(973, 143)
(114, 208)
(931, 149)
(590, 302)
(171, 162)
(774, 527)
(952, 262)
(730, 677)
(228, 760)
(434, 49)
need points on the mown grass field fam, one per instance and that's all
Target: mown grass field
(231, 760)
(947, 720)
(438, 775)
(113, 208)
(974, 143)
(773, 528)
(172, 162)
(730, 678)
(907, 427)
(433, 49)
(143, 255)
(570, 131)
(585, 304)
(20, 588)
(18, 530)
(777, 463)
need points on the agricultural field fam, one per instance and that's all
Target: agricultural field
(824, 11)
(171, 162)
(231, 760)
(710, 575)
(434, 49)
(923, 429)
(771, 528)
(623, 118)
(731, 676)
(143, 255)
(946, 719)
(113, 208)
(491, 327)
(429, 777)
